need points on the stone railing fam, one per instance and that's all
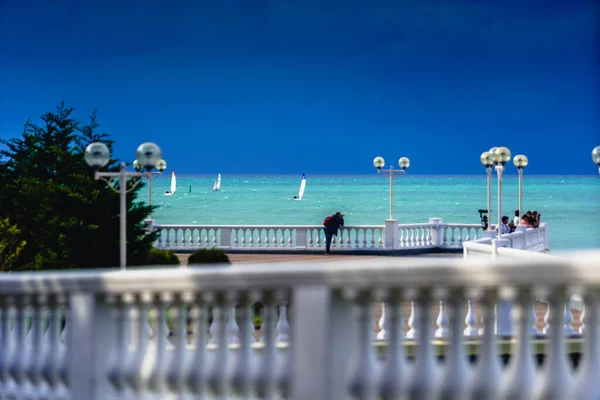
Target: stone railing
(523, 243)
(324, 350)
(362, 238)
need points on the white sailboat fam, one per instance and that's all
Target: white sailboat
(302, 187)
(173, 185)
(217, 185)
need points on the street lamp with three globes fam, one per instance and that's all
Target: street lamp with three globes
(148, 157)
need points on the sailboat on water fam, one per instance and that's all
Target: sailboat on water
(217, 185)
(173, 185)
(302, 187)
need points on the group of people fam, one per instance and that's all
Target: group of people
(529, 219)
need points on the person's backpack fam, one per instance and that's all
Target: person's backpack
(327, 220)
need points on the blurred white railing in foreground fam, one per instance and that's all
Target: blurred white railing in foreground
(323, 351)
(362, 238)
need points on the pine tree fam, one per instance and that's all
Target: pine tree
(66, 218)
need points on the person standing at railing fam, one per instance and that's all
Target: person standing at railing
(331, 225)
(504, 226)
(535, 219)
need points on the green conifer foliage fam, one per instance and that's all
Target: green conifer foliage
(66, 218)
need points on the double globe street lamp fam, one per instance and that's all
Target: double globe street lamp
(596, 157)
(148, 157)
(403, 163)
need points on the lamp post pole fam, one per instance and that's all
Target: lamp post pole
(499, 170)
(391, 190)
(97, 155)
(489, 196)
(486, 159)
(520, 162)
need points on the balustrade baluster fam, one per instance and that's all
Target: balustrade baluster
(134, 377)
(218, 378)
(456, 375)
(569, 331)
(521, 371)
(283, 326)
(394, 381)
(175, 375)
(424, 378)
(53, 359)
(383, 333)
(413, 321)
(445, 236)
(157, 381)
(486, 380)
(241, 381)
(259, 237)
(471, 320)
(35, 364)
(555, 380)
(8, 347)
(266, 379)
(442, 322)
(118, 366)
(232, 328)
(587, 383)
(196, 374)
(18, 367)
(363, 382)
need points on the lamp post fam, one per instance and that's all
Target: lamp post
(500, 156)
(520, 162)
(161, 165)
(97, 155)
(596, 156)
(486, 160)
(403, 163)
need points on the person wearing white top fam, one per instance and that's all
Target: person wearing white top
(516, 219)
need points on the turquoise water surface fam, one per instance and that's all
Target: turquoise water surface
(568, 203)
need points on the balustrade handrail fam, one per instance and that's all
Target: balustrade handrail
(580, 268)
(265, 226)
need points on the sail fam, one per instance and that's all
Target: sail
(173, 182)
(302, 186)
(217, 184)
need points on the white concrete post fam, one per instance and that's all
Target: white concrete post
(225, 237)
(435, 231)
(503, 307)
(320, 355)
(301, 238)
(91, 336)
(391, 234)
(546, 236)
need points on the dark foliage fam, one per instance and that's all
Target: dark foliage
(208, 256)
(161, 257)
(66, 218)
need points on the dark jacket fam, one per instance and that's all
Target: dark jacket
(334, 224)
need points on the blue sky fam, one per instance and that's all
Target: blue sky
(315, 86)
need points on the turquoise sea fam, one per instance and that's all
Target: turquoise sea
(568, 203)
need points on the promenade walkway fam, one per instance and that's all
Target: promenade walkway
(236, 258)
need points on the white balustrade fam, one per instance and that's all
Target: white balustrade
(108, 352)
(363, 238)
